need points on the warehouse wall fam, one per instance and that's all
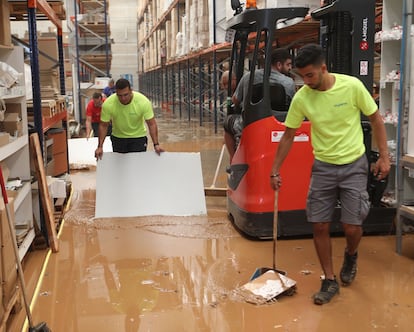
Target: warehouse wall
(123, 23)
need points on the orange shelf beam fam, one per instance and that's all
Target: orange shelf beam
(44, 7)
(48, 122)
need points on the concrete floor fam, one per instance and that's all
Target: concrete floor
(179, 273)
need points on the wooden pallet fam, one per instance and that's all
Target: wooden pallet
(49, 107)
(13, 307)
(60, 104)
(97, 27)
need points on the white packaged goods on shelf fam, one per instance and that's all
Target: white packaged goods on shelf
(394, 34)
(312, 4)
(8, 75)
(167, 4)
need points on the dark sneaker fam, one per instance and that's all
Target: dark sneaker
(349, 268)
(328, 290)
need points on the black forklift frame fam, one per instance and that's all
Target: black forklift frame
(347, 33)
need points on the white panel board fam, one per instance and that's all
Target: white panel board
(144, 183)
(82, 150)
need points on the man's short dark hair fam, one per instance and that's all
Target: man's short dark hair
(311, 54)
(96, 95)
(280, 55)
(122, 83)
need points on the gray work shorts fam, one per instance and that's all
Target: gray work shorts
(233, 124)
(346, 183)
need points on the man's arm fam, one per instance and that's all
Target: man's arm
(283, 150)
(88, 124)
(153, 131)
(103, 129)
(382, 166)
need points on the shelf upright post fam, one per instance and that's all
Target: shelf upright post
(160, 94)
(34, 61)
(161, 85)
(153, 91)
(200, 89)
(168, 87)
(179, 90)
(155, 79)
(151, 81)
(188, 90)
(106, 39)
(61, 61)
(210, 86)
(167, 90)
(174, 86)
(215, 68)
(403, 111)
(78, 71)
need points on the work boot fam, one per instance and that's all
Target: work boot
(349, 268)
(328, 290)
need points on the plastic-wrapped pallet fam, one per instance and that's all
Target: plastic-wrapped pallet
(184, 45)
(168, 39)
(174, 31)
(312, 4)
(203, 23)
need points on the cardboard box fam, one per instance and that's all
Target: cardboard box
(59, 140)
(61, 164)
(14, 108)
(4, 138)
(12, 124)
(50, 167)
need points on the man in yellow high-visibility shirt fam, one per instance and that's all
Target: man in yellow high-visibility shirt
(128, 111)
(333, 104)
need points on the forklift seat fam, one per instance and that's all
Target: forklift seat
(279, 100)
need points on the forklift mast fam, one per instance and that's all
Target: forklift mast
(258, 27)
(347, 36)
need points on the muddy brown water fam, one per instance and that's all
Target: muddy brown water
(170, 274)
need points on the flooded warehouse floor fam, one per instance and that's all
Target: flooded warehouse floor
(179, 274)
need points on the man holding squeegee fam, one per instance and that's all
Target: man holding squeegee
(333, 103)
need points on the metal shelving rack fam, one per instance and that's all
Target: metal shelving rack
(92, 42)
(89, 31)
(405, 127)
(33, 11)
(187, 88)
(187, 85)
(42, 10)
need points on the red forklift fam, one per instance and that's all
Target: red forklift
(347, 35)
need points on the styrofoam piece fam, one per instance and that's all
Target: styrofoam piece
(82, 150)
(144, 184)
